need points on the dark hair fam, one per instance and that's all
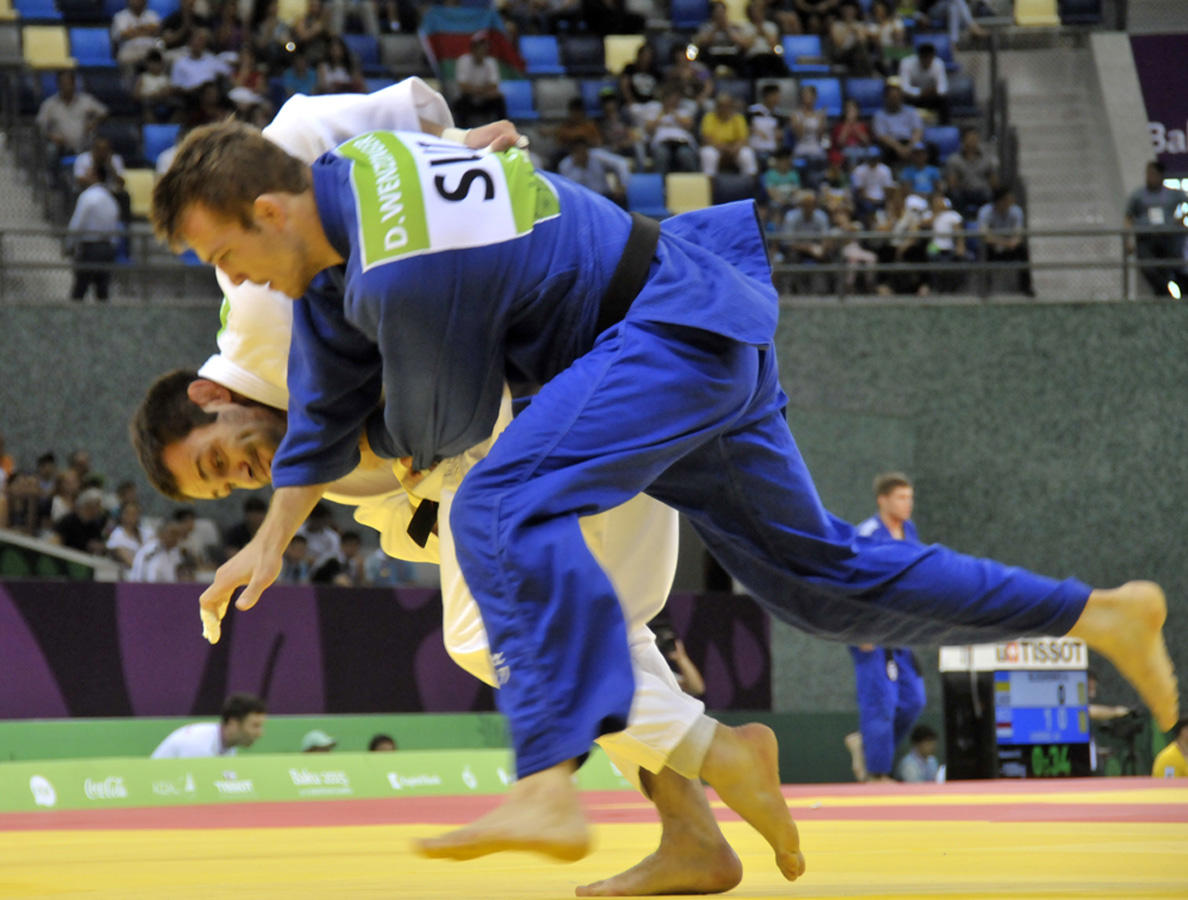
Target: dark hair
(254, 504)
(1157, 166)
(769, 88)
(576, 103)
(165, 415)
(924, 48)
(885, 483)
(47, 458)
(350, 536)
(1179, 726)
(241, 705)
(379, 739)
(922, 733)
(183, 513)
(1000, 192)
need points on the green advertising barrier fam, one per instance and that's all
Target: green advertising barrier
(122, 782)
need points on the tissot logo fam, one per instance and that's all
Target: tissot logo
(110, 788)
(232, 784)
(1044, 650)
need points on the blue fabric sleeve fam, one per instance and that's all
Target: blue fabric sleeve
(334, 385)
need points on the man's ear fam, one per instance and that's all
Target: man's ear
(211, 397)
(270, 210)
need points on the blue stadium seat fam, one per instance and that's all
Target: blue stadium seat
(158, 138)
(378, 83)
(366, 50)
(582, 55)
(868, 92)
(91, 46)
(944, 47)
(689, 14)
(541, 54)
(946, 139)
(107, 85)
(963, 104)
(645, 195)
(804, 46)
(520, 104)
(37, 11)
(829, 94)
(726, 188)
(164, 8)
(111, 7)
(1080, 12)
(125, 140)
(553, 96)
(80, 12)
(591, 89)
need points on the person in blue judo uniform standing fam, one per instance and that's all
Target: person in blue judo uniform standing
(428, 274)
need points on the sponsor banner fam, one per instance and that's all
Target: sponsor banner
(118, 782)
(1159, 61)
(1024, 654)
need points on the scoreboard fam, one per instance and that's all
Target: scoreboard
(1016, 710)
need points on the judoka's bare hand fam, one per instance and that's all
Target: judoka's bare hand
(501, 135)
(255, 566)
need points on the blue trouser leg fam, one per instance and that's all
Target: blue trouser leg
(876, 709)
(697, 421)
(909, 695)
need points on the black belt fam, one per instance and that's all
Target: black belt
(626, 282)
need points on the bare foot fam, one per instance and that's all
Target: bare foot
(742, 765)
(853, 742)
(693, 856)
(1126, 625)
(542, 814)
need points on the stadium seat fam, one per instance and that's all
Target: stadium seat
(788, 88)
(553, 96)
(868, 92)
(962, 102)
(583, 55)
(166, 8)
(158, 138)
(829, 94)
(125, 139)
(741, 89)
(139, 185)
(365, 49)
(378, 83)
(665, 44)
(1041, 13)
(82, 12)
(7, 13)
(688, 15)
(946, 139)
(686, 191)
(111, 7)
(37, 10)
(541, 54)
(620, 49)
(45, 47)
(403, 54)
(727, 188)
(645, 195)
(808, 48)
(289, 11)
(944, 47)
(10, 46)
(107, 86)
(591, 90)
(91, 47)
(1080, 12)
(520, 105)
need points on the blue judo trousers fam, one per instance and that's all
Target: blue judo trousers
(681, 399)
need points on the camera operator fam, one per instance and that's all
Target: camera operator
(687, 674)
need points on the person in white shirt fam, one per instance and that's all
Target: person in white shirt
(871, 179)
(92, 235)
(324, 547)
(923, 81)
(160, 557)
(128, 537)
(135, 30)
(948, 241)
(66, 119)
(101, 154)
(241, 725)
(477, 74)
(198, 66)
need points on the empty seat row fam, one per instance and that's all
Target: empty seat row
(659, 196)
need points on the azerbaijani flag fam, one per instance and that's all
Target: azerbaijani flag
(446, 30)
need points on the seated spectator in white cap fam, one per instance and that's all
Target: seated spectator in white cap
(317, 741)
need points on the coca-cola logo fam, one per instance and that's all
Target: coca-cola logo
(110, 788)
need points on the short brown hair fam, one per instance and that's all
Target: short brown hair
(166, 415)
(885, 483)
(223, 167)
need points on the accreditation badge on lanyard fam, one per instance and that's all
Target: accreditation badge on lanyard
(892, 668)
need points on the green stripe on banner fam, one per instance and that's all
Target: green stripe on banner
(391, 209)
(123, 782)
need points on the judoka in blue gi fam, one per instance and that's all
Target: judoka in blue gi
(888, 681)
(430, 274)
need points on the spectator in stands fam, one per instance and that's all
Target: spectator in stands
(1000, 226)
(834, 192)
(351, 574)
(639, 85)
(1154, 208)
(806, 230)
(153, 89)
(477, 73)
(691, 78)
(249, 82)
(885, 35)
(724, 139)
(909, 244)
(160, 559)
(325, 546)
(849, 142)
(210, 105)
(7, 463)
(66, 491)
(766, 123)
(674, 149)
(196, 67)
(618, 132)
(382, 570)
(93, 234)
(576, 126)
(228, 33)
(68, 118)
(759, 38)
(809, 128)
(719, 41)
(924, 82)
(271, 37)
(871, 179)
(381, 743)
(781, 183)
(971, 174)
(82, 529)
(687, 675)
(611, 17)
(241, 725)
(816, 8)
(312, 31)
(920, 176)
(339, 72)
(948, 241)
(238, 535)
(300, 78)
(317, 741)
(295, 567)
(127, 537)
(959, 14)
(100, 156)
(919, 764)
(134, 32)
(179, 26)
(858, 259)
(897, 127)
(591, 172)
(24, 503)
(365, 11)
(80, 462)
(848, 43)
(126, 492)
